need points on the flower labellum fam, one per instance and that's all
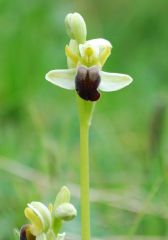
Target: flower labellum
(86, 83)
(25, 233)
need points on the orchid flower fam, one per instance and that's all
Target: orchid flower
(85, 61)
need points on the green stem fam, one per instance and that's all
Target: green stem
(85, 114)
(84, 182)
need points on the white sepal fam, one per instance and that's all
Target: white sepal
(113, 81)
(64, 78)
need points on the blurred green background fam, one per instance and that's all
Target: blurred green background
(39, 136)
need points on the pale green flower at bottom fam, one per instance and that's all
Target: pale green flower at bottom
(87, 78)
(46, 222)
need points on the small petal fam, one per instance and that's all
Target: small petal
(62, 78)
(72, 59)
(113, 81)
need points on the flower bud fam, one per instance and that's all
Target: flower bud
(39, 216)
(76, 27)
(66, 212)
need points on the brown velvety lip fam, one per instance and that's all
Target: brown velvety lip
(87, 81)
(25, 233)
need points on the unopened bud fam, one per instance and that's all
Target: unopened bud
(76, 27)
(66, 212)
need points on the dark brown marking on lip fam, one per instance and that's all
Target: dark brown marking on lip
(86, 83)
(25, 233)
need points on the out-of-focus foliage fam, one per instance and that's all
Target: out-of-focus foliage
(39, 144)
